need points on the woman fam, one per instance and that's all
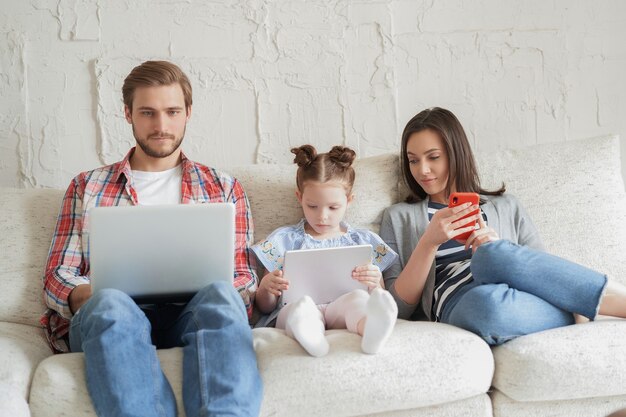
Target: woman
(498, 283)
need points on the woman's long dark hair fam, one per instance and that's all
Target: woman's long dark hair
(461, 163)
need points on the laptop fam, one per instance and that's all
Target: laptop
(323, 274)
(163, 253)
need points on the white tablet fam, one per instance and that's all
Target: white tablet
(323, 274)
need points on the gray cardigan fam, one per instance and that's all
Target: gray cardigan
(403, 224)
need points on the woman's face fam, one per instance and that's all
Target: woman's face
(428, 162)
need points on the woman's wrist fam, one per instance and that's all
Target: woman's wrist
(426, 247)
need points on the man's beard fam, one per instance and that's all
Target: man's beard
(145, 145)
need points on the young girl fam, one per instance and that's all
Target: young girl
(324, 189)
(497, 284)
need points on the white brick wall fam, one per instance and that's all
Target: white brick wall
(268, 75)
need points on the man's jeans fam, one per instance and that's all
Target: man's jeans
(124, 376)
(518, 291)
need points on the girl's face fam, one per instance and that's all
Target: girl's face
(324, 205)
(428, 162)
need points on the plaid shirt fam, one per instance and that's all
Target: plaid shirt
(68, 259)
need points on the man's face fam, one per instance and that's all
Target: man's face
(159, 119)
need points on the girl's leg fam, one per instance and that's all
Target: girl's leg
(303, 321)
(498, 313)
(371, 316)
(381, 315)
(566, 285)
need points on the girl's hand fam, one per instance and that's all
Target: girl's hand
(445, 223)
(369, 275)
(274, 283)
(480, 236)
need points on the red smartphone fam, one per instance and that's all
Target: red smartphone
(457, 199)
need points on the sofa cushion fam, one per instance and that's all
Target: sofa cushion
(424, 364)
(574, 192)
(478, 406)
(375, 189)
(271, 191)
(22, 347)
(59, 384)
(580, 361)
(12, 402)
(504, 406)
(26, 226)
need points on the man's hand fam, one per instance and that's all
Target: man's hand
(79, 296)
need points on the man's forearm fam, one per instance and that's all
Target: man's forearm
(65, 268)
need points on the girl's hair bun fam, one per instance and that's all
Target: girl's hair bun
(305, 155)
(324, 167)
(342, 156)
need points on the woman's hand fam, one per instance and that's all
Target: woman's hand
(369, 275)
(480, 236)
(274, 283)
(445, 223)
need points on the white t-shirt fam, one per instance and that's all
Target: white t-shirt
(162, 187)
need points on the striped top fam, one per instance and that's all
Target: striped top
(112, 185)
(452, 270)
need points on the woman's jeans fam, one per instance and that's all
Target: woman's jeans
(124, 376)
(518, 290)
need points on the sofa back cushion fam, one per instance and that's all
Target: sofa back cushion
(26, 227)
(574, 192)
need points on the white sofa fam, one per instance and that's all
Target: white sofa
(573, 191)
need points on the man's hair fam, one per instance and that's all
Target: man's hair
(336, 165)
(462, 170)
(155, 73)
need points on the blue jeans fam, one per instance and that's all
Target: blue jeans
(124, 376)
(518, 291)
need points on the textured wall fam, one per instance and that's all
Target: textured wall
(269, 75)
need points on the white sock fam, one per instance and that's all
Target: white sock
(307, 328)
(381, 313)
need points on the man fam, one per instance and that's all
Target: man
(123, 372)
